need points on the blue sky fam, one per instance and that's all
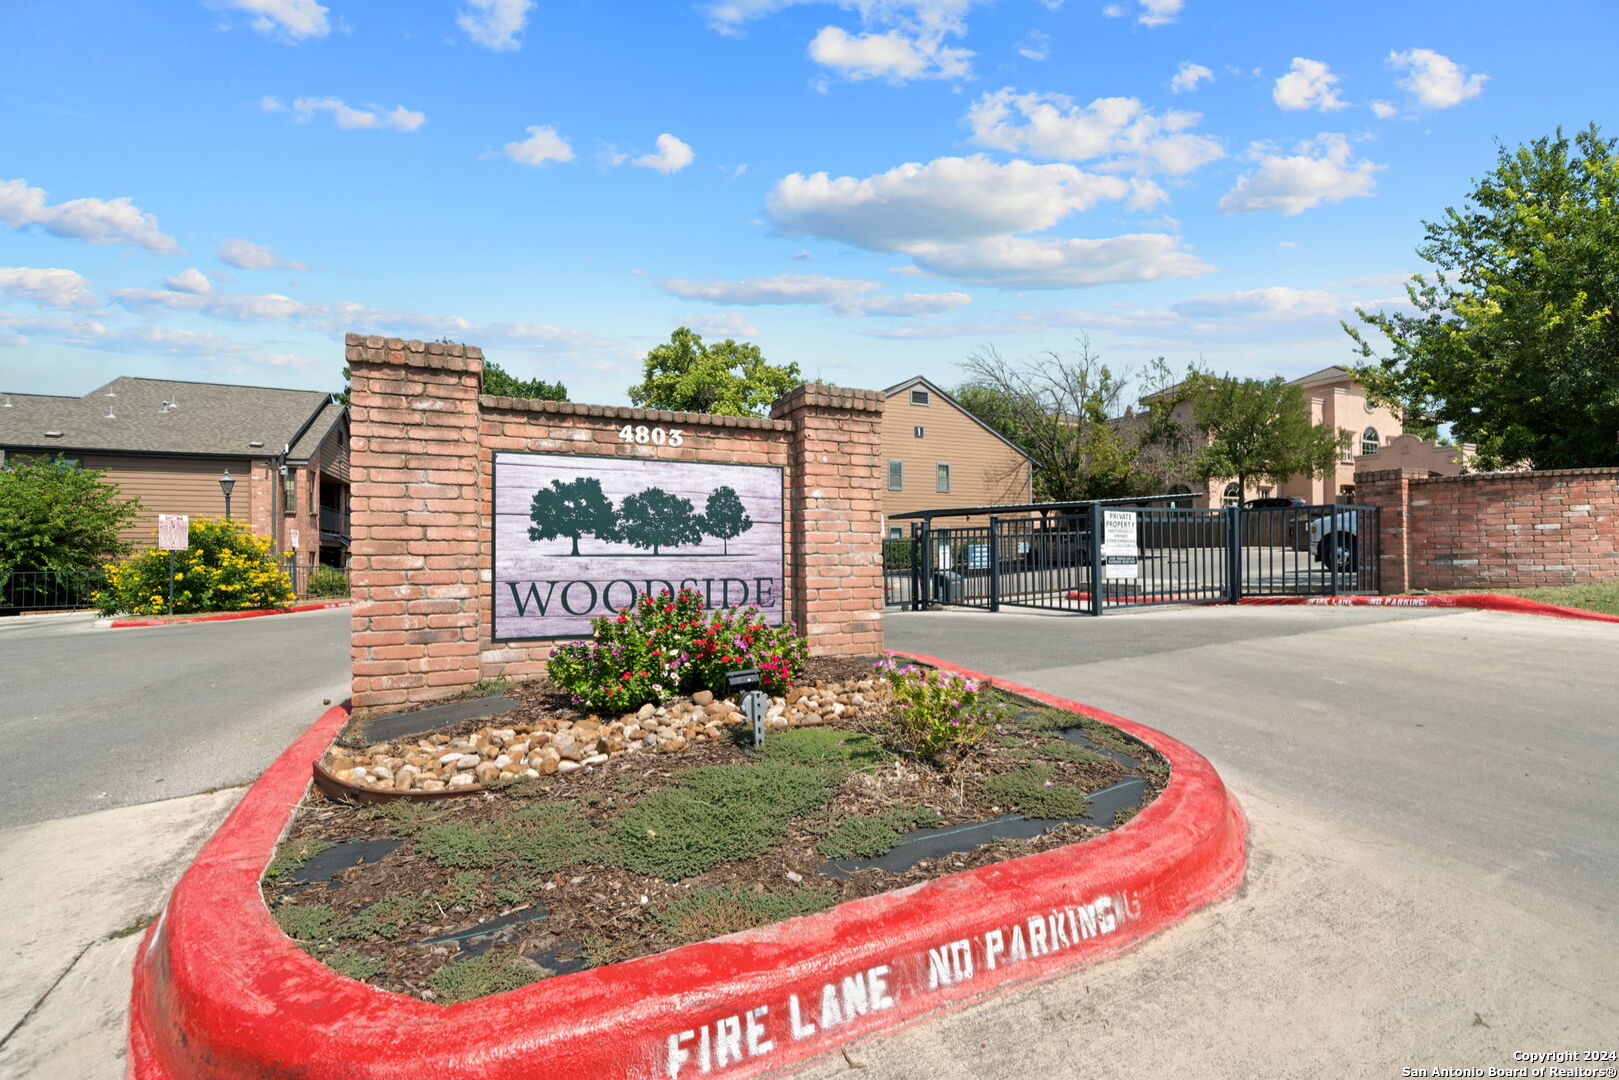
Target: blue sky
(219, 189)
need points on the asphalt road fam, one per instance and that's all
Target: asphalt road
(94, 718)
(1433, 857)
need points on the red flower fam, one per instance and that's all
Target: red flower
(625, 677)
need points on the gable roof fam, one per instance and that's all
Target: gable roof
(918, 380)
(1326, 374)
(216, 419)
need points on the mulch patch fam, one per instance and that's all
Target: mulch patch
(387, 912)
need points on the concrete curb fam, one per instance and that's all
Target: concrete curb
(1480, 601)
(220, 992)
(223, 616)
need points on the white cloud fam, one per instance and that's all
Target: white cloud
(1437, 81)
(293, 20)
(1279, 300)
(190, 281)
(1310, 85)
(780, 289)
(1287, 245)
(348, 117)
(1383, 109)
(95, 221)
(1120, 131)
(494, 24)
(1187, 76)
(1150, 13)
(1319, 172)
(892, 55)
(268, 307)
(247, 255)
(542, 145)
(672, 156)
(948, 199)
(726, 324)
(91, 334)
(1035, 46)
(50, 286)
(905, 306)
(1017, 262)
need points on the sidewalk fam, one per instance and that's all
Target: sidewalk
(75, 892)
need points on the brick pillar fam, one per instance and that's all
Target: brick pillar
(834, 567)
(1390, 491)
(415, 555)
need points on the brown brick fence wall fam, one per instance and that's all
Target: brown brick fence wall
(1495, 530)
(423, 442)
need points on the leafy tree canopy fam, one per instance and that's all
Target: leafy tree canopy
(496, 381)
(727, 378)
(1073, 415)
(1515, 338)
(56, 516)
(1261, 429)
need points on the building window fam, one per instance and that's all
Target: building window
(896, 476)
(1264, 492)
(919, 431)
(1233, 494)
(944, 478)
(919, 396)
(1369, 441)
(289, 491)
(1346, 447)
(896, 533)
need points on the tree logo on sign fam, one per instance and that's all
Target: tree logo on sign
(650, 519)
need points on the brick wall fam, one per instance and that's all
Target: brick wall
(423, 443)
(1495, 530)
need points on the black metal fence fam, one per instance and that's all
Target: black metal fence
(23, 591)
(1097, 558)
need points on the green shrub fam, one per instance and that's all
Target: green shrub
(1069, 753)
(666, 645)
(387, 917)
(226, 568)
(294, 855)
(717, 813)
(1034, 792)
(937, 714)
(355, 965)
(327, 581)
(307, 922)
(869, 835)
(708, 913)
(824, 747)
(493, 972)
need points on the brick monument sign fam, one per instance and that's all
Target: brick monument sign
(486, 530)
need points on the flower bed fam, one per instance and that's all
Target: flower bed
(664, 825)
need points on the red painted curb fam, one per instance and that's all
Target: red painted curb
(1481, 601)
(220, 992)
(222, 616)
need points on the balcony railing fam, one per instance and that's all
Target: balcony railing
(334, 524)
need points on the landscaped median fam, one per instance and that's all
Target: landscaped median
(223, 616)
(221, 991)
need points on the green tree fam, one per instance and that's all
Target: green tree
(57, 516)
(1072, 414)
(496, 381)
(572, 509)
(1260, 429)
(725, 517)
(654, 518)
(1515, 338)
(728, 378)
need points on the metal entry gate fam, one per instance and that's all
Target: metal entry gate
(1097, 557)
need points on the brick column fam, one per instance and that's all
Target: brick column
(415, 555)
(1389, 490)
(834, 560)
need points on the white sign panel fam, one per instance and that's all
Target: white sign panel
(294, 538)
(1120, 555)
(173, 532)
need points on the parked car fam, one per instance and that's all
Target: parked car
(1335, 539)
(1273, 503)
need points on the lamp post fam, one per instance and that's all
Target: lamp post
(227, 482)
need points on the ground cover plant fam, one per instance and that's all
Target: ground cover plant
(541, 876)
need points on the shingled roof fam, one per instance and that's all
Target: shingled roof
(165, 416)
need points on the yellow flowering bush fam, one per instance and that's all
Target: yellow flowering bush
(226, 568)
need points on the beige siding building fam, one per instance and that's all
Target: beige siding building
(940, 455)
(169, 443)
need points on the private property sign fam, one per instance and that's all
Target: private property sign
(577, 536)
